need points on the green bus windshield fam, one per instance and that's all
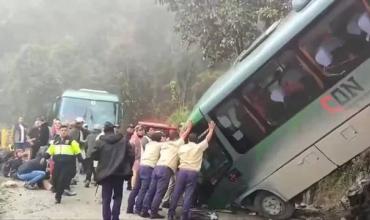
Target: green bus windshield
(94, 112)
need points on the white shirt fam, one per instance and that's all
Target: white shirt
(169, 155)
(191, 155)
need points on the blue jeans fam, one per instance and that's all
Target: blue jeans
(32, 177)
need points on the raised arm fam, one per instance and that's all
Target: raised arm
(211, 129)
(189, 126)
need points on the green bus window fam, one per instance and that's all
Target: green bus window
(281, 88)
(238, 124)
(340, 40)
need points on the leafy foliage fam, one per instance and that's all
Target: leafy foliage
(223, 28)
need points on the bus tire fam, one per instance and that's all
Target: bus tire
(271, 206)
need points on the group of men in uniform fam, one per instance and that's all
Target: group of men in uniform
(160, 161)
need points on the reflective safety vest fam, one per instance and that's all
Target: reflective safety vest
(64, 148)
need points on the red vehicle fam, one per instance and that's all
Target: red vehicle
(157, 126)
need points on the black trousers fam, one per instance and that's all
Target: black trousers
(62, 177)
(112, 188)
(89, 166)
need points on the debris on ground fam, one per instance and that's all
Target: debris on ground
(9, 184)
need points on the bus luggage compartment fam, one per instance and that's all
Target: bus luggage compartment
(347, 140)
(300, 173)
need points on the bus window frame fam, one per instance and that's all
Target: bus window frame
(304, 51)
(265, 127)
(306, 67)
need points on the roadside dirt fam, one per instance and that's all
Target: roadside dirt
(19, 203)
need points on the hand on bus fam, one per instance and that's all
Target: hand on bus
(186, 130)
(211, 128)
(211, 125)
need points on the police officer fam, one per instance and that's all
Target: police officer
(64, 151)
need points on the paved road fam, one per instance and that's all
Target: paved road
(24, 204)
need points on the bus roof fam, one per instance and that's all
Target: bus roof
(238, 73)
(91, 95)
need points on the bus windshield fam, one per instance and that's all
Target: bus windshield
(94, 112)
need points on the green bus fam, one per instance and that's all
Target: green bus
(94, 106)
(292, 109)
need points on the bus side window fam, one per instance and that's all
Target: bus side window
(238, 124)
(340, 41)
(281, 88)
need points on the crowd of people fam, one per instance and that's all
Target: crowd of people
(159, 167)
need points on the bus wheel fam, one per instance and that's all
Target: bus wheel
(272, 207)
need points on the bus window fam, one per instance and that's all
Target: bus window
(238, 124)
(281, 88)
(339, 42)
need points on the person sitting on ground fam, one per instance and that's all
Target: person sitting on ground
(32, 172)
(12, 164)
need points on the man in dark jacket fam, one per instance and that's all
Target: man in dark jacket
(89, 162)
(115, 159)
(32, 171)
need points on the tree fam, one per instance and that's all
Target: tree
(223, 28)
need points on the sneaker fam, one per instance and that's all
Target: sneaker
(57, 201)
(30, 186)
(69, 193)
(87, 183)
(144, 214)
(156, 216)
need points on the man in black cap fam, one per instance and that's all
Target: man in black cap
(115, 158)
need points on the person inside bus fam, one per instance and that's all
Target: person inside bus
(295, 96)
(342, 45)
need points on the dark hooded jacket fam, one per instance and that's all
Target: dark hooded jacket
(32, 165)
(114, 155)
